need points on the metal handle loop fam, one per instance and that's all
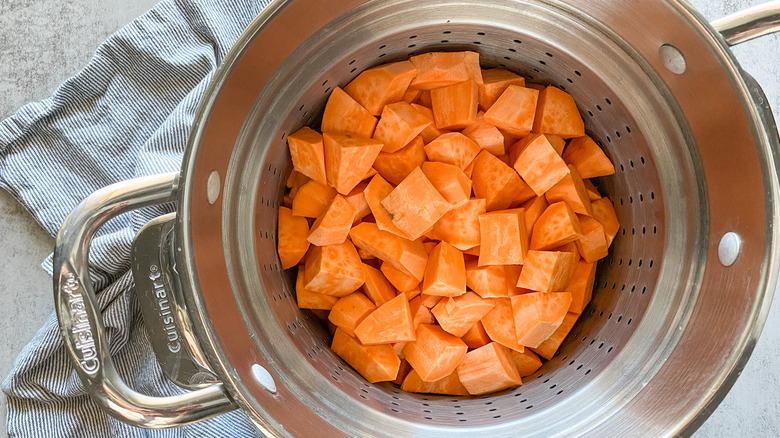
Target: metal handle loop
(80, 320)
(750, 23)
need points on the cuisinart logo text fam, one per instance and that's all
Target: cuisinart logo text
(164, 309)
(85, 343)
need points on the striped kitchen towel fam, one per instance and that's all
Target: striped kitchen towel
(126, 114)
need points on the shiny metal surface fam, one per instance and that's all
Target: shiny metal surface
(751, 23)
(162, 306)
(669, 327)
(81, 322)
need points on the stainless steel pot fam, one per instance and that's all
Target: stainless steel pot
(678, 305)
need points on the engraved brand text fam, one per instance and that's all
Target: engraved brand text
(85, 343)
(164, 309)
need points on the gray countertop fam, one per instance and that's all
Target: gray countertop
(42, 42)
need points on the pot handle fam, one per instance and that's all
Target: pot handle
(750, 23)
(81, 323)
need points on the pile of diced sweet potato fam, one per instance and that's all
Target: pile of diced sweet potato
(443, 225)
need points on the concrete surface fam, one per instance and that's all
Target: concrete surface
(42, 42)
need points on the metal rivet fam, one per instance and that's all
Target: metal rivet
(213, 187)
(728, 250)
(264, 378)
(672, 58)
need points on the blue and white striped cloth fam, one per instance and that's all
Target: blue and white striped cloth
(126, 114)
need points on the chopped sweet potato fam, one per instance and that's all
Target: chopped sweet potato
(312, 199)
(398, 165)
(348, 159)
(334, 269)
(390, 322)
(452, 148)
(593, 192)
(526, 362)
(503, 238)
(533, 209)
(333, 225)
(476, 336)
(485, 135)
(486, 281)
(435, 353)
(556, 142)
(439, 69)
(375, 192)
(455, 106)
(376, 363)
(514, 110)
(538, 314)
(449, 180)
(557, 226)
(429, 301)
(412, 96)
(349, 311)
(538, 163)
(382, 85)
(415, 205)
(398, 278)
(547, 271)
(460, 226)
(308, 299)
(557, 113)
(588, 158)
(581, 286)
(449, 385)
(307, 153)
(593, 243)
(399, 125)
(499, 324)
(604, 212)
(292, 234)
(548, 348)
(488, 369)
(343, 115)
(376, 287)
(498, 184)
(420, 313)
(445, 274)
(431, 132)
(406, 255)
(495, 82)
(457, 315)
(358, 201)
(404, 369)
(571, 190)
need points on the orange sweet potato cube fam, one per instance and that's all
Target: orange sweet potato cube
(415, 205)
(399, 125)
(404, 254)
(308, 299)
(429, 301)
(381, 85)
(557, 113)
(390, 322)
(499, 324)
(445, 274)
(412, 96)
(292, 243)
(449, 385)
(343, 115)
(420, 313)
(514, 110)
(334, 269)
(495, 82)
(488, 369)
(375, 192)
(312, 199)
(539, 165)
(349, 311)
(431, 132)
(376, 287)
(581, 286)
(396, 166)
(526, 362)
(604, 212)
(307, 153)
(452, 148)
(439, 69)
(571, 190)
(348, 159)
(547, 271)
(435, 353)
(476, 336)
(533, 209)
(357, 199)
(457, 315)
(398, 278)
(455, 106)
(333, 225)
(497, 183)
(558, 225)
(584, 154)
(376, 363)
(460, 226)
(593, 192)
(404, 369)
(556, 142)
(593, 243)
(548, 348)
(503, 238)
(538, 314)
(449, 180)
(485, 135)
(486, 281)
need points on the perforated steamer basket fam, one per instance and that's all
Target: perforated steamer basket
(671, 322)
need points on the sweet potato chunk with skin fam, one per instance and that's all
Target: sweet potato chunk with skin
(499, 324)
(514, 110)
(312, 199)
(445, 274)
(557, 113)
(455, 106)
(308, 299)
(581, 286)
(439, 69)
(390, 322)
(537, 315)
(476, 336)
(547, 271)
(449, 180)
(382, 85)
(571, 190)
(399, 125)
(485, 135)
(343, 115)
(435, 353)
(503, 238)
(604, 212)
(333, 225)
(376, 363)
(358, 201)
(334, 269)
(557, 226)
(404, 254)
(292, 234)
(488, 369)
(452, 148)
(376, 287)
(349, 311)
(495, 82)
(486, 281)
(449, 385)
(548, 348)
(526, 362)
(460, 226)
(415, 205)
(307, 153)
(398, 278)
(348, 159)
(375, 192)
(398, 165)
(539, 165)
(496, 182)
(593, 243)
(590, 161)
(457, 315)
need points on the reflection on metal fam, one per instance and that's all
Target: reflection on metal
(749, 24)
